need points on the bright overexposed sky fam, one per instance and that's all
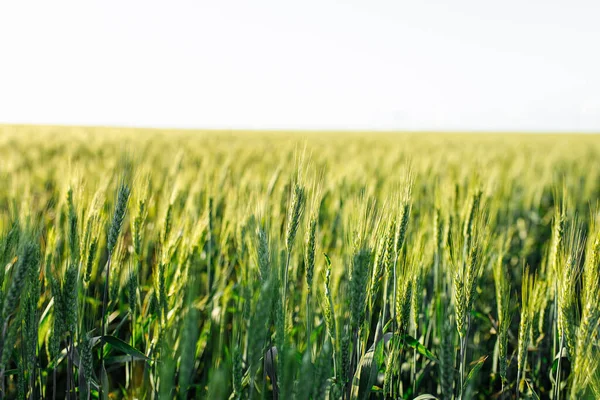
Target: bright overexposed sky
(310, 64)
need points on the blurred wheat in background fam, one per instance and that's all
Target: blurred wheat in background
(148, 264)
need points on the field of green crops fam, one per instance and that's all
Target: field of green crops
(145, 264)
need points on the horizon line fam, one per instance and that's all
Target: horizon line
(303, 130)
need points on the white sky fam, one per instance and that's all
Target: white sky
(310, 64)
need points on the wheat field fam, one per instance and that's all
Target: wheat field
(149, 264)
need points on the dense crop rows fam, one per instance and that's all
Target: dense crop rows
(146, 264)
